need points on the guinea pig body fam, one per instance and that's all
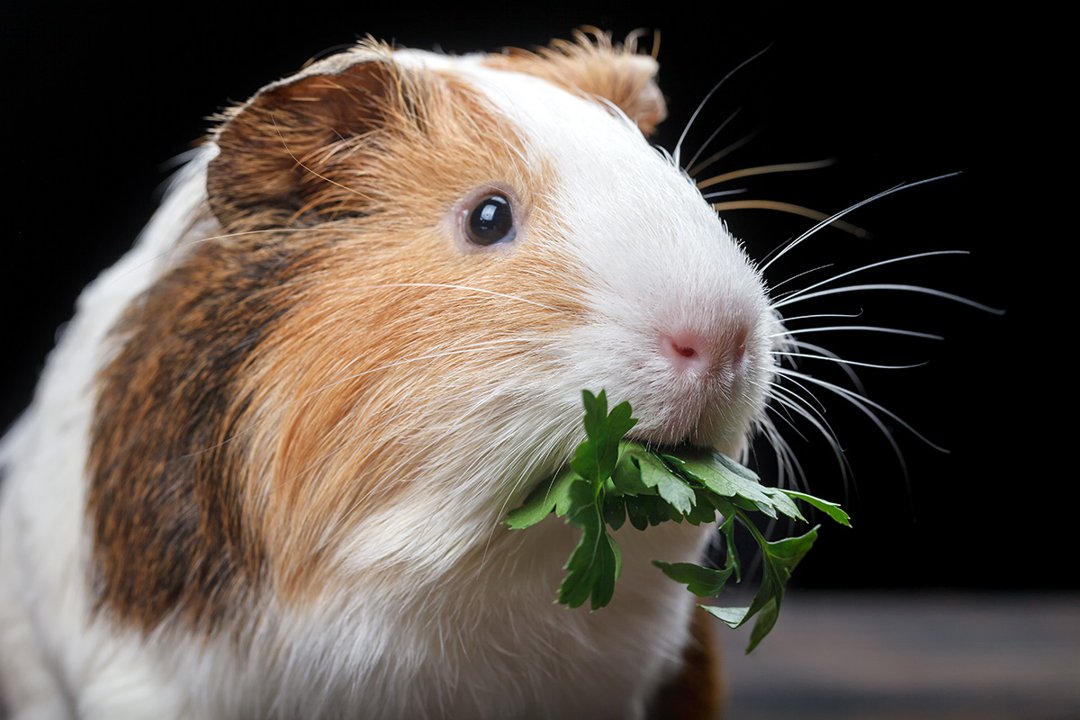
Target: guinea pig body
(266, 469)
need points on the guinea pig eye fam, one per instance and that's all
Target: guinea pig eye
(490, 221)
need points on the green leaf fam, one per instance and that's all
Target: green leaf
(637, 514)
(614, 511)
(780, 559)
(542, 500)
(655, 473)
(596, 457)
(627, 475)
(766, 619)
(733, 616)
(701, 581)
(611, 480)
(589, 560)
(783, 504)
(716, 474)
(829, 508)
(704, 510)
(735, 468)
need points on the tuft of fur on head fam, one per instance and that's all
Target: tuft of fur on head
(593, 65)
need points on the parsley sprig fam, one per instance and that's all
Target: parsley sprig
(612, 480)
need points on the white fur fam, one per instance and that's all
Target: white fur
(415, 636)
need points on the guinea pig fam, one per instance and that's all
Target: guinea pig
(266, 471)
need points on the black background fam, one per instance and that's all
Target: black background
(96, 103)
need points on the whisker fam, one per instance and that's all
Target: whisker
(723, 193)
(880, 263)
(858, 328)
(712, 137)
(848, 362)
(787, 463)
(799, 275)
(763, 170)
(449, 286)
(873, 198)
(708, 96)
(722, 153)
(786, 417)
(861, 401)
(796, 318)
(792, 400)
(919, 289)
(886, 433)
(791, 209)
(821, 425)
(847, 369)
(809, 403)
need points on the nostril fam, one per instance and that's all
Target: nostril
(685, 350)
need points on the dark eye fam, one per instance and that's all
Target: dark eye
(490, 221)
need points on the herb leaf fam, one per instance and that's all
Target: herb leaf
(547, 497)
(831, 509)
(611, 480)
(702, 581)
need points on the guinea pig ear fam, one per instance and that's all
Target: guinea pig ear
(278, 149)
(593, 65)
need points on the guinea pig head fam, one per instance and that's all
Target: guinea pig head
(418, 262)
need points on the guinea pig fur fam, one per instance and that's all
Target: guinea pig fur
(266, 469)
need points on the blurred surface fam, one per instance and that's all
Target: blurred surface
(930, 657)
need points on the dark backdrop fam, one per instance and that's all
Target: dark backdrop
(97, 102)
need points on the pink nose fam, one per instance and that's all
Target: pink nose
(689, 351)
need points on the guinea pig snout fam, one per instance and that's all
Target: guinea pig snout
(695, 352)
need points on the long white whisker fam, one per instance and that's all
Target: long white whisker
(712, 137)
(786, 416)
(848, 362)
(821, 425)
(857, 328)
(468, 288)
(877, 264)
(819, 410)
(721, 154)
(792, 400)
(848, 370)
(799, 275)
(722, 193)
(708, 96)
(861, 401)
(818, 316)
(894, 287)
(787, 463)
(832, 218)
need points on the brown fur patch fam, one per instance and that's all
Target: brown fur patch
(697, 692)
(594, 66)
(168, 448)
(265, 396)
